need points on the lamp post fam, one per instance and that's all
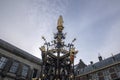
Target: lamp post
(57, 61)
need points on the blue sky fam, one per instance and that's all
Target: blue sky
(95, 24)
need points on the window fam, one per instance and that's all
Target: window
(78, 72)
(35, 73)
(3, 61)
(14, 67)
(100, 73)
(114, 76)
(111, 70)
(118, 74)
(89, 76)
(118, 68)
(107, 77)
(101, 78)
(24, 71)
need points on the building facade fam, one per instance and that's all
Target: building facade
(16, 64)
(108, 69)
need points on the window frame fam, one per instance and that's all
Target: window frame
(3, 62)
(25, 69)
(14, 67)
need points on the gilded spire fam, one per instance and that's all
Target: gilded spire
(60, 24)
(60, 21)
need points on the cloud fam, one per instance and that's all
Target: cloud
(111, 44)
(27, 21)
(45, 13)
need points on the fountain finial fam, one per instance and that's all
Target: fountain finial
(60, 24)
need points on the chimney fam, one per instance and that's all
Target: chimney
(100, 57)
(91, 62)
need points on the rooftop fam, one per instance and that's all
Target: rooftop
(103, 63)
(19, 52)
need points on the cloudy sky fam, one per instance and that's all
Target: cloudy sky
(95, 24)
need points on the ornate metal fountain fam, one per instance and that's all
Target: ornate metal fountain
(57, 57)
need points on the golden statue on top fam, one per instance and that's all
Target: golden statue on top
(60, 24)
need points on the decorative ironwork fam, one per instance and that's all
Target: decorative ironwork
(57, 57)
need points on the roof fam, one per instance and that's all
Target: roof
(19, 52)
(100, 64)
(80, 65)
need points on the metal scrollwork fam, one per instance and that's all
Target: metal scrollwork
(58, 57)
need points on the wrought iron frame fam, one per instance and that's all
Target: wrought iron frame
(61, 65)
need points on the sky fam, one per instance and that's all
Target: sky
(94, 23)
